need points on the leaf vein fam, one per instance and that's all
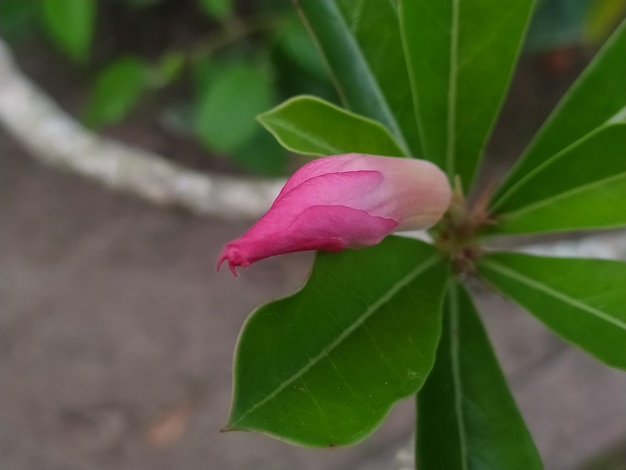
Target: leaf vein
(576, 303)
(419, 269)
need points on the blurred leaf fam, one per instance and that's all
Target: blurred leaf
(140, 3)
(228, 104)
(17, 19)
(466, 416)
(294, 78)
(603, 15)
(460, 56)
(324, 366)
(262, 155)
(220, 9)
(202, 72)
(116, 91)
(366, 61)
(167, 69)
(295, 42)
(311, 126)
(598, 96)
(70, 24)
(556, 23)
(568, 192)
(581, 300)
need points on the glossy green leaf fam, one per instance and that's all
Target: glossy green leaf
(116, 91)
(324, 366)
(312, 126)
(460, 55)
(228, 105)
(582, 187)
(597, 97)
(70, 24)
(581, 300)
(220, 9)
(466, 416)
(360, 42)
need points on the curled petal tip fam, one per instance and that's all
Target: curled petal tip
(234, 257)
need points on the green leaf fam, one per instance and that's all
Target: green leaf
(293, 39)
(581, 300)
(167, 69)
(460, 55)
(228, 104)
(556, 23)
(17, 19)
(360, 42)
(324, 366)
(311, 126)
(597, 97)
(582, 187)
(70, 24)
(220, 9)
(116, 91)
(602, 17)
(466, 416)
(262, 155)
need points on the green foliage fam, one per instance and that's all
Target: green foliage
(557, 23)
(582, 300)
(566, 192)
(416, 78)
(219, 9)
(602, 17)
(228, 104)
(459, 80)
(262, 155)
(426, 79)
(116, 91)
(386, 73)
(312, 126)
(599, 91)
(264, 46)
(366, 61)
(466, 415)
(16, 19)
(70, 25)
(324, 366)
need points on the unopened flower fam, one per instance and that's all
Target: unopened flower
(344, 201)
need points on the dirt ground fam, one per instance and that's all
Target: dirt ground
(117, 334)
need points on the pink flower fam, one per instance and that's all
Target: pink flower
(344, 201)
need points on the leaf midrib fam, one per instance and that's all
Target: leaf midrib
(455, 334)
(545, 165)
(556, 115)
(327, 149)
(407, 279)
(390, 118)
(452, 90)
(564, 195)
(503, 270)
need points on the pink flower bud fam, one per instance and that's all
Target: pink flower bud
(344, 201)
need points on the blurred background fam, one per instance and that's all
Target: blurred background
(117, 335)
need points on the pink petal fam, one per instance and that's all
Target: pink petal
(328, 228)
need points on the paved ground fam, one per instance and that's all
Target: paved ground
(116, 339)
